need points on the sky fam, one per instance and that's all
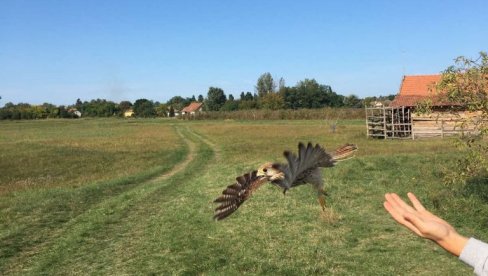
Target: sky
(59, 51)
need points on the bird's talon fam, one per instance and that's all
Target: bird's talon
(322, 202)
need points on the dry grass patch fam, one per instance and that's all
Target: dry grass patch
(56, 153)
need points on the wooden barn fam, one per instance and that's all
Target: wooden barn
(402, 120)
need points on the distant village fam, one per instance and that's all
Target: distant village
(268, 95)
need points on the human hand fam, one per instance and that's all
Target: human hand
(424, 223)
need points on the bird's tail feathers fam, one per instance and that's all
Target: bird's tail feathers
(344, 152)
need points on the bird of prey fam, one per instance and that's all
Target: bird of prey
(299, 170)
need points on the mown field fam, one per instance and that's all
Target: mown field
(135, 196)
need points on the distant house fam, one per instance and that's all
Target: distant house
(75, 112)
(377, 104)
(193, 108)
(129, 113)
(402, 119)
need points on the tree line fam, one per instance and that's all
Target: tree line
(268, 95)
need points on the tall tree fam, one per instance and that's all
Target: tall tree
(177, 102)
(353, 101)
(79, 104)
(247, 97)
(124, 106)
(200, 98)
(273, 101)
(144, 108)
(281, 84)
(215, 99)
(265, 84)
(161, 110)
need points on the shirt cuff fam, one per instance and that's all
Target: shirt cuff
(475, 254)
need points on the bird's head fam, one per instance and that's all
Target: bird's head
(271, 171)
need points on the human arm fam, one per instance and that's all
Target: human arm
(424, 223)
(427, 225)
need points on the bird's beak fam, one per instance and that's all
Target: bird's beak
(260, 174)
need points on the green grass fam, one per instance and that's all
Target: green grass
(132, 208)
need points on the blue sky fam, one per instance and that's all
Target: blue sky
(58, 51)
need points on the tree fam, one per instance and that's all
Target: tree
(230, 106)
(244, 105)
(200, 98)
(177, 102)
(466, 83)
(273, 101)
(171, 112)
(124, 106)
(281, 84)
(215, 99)
(247, 101)
(79, 105)
(247, 97)
(161, 110)
(144, 108)
(353, 101)
(265, 84)
(310, 94)
(99, 108)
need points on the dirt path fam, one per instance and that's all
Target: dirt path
(212, 145)
(181, 166)
(191, 154)
(117, 208)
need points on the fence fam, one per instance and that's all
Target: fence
(388, 122)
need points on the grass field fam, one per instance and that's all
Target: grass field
(135, 197)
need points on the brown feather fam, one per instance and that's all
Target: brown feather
(344, 152)
(235, 194)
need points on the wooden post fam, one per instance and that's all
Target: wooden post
(442, 128)
(367, 123)
(413, 134)
(392, 123)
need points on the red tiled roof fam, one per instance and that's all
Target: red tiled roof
(409, 100)
(192, 107)
(416, 88)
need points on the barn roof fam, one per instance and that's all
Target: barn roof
(192, 107)
(416, 88)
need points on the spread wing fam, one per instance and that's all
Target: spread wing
(309, 158)
(234, 195)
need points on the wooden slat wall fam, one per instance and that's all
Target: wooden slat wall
(441, 124)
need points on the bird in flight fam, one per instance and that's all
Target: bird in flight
(299, 170)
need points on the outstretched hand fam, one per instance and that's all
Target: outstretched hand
(424, 223)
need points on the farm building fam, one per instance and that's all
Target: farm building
(129, 113)
(75, 112)
(400, 119)
(192, 108)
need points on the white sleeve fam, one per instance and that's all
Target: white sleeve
(475, 254)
